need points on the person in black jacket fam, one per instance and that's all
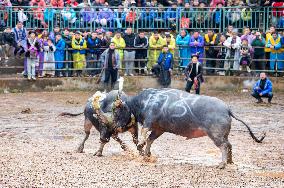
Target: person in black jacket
(8, 42)
(67, 37)
(193, 73)
(141, 43)
(129, 52)
(94, 44)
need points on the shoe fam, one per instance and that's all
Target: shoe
(131, 74)
(125, 74)
(259, 101)
(248, 69)
(33, 78)
(29, 78)
(269, 101)
(6, 58)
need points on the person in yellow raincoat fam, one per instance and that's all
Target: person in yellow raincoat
(156, 42)
(170, 42)
(119, 45)
(79, 46)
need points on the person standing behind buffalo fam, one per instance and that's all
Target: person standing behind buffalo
(129, 52)
(110, 60)
(262, 88)
(67, 37)
(197, 43)
(59, 54)
(8, 42)
(141, 43)
(184, 50)
(79, 47)
(164, 66)
(94, 44)
(210, 50)
(258, 43)
(193, 73)
(156, 42)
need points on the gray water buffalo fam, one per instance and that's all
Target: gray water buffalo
(92, 118)
(180, 113)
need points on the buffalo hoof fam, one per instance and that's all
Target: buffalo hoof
(222, 165)
(98, 154)
(124, 147)
(148, 154)
(141, 152)
(80, 149)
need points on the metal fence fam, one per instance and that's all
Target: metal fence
(147, 18)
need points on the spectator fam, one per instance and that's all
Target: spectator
(201, 16)
(53, 33)
(210, 51)
(96, 3)
(129, 54)
(8, 42)
(159, 20)
(193, 73)
(68, 15)
(258, 43)
(114, 3)
(49, 15)
(276, 54)
(172, 14)
(57, 3)
(105, 15)
(164, 66)
(33, 48)
(119, 44)
(79, 46)
(197, 43)
(267, 36)
(131, 16)
(59, 54)
(106, 38)
(183, 44)
(245, 55)
(141, 42)
(110, 60)
(119, 17)
(67, 37)
(94, 44)
(262, 88)
(42, 38)
(229, 32)
(88, 15)
(38, 11)
(49, 62)
(146, 18)
(170, 42)
(156, 42)
(221, 55)
(19, 3)
(218, 13)
(233, 44)
(72, 3)
(247, 35)
(20, 39)
(215, 3)
(84, 3)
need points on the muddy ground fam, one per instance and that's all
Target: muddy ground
(37, 148)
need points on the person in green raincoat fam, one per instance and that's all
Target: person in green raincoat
(156, 42)
(119, 44)
(79, 46)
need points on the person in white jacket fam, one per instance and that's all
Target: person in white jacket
(233, 44)
(49, 61)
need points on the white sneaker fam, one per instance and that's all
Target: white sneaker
(248, 69)
(125, 74)
(6, 58)
(131, 74)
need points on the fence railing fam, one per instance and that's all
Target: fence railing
(146, 18)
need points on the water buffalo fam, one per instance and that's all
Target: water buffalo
(180, 113)
(106, 130)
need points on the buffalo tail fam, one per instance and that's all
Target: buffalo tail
(70, 114)
(250, 132)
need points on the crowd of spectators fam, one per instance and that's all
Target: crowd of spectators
(116, 14)
(65, 52)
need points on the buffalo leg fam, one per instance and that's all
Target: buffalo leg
(100, 150)
(142, 143)
(134, 132)
(87, 128)
(153, 136)
(122, 144)
(225, 147)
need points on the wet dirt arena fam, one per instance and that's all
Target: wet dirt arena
(37, 148)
